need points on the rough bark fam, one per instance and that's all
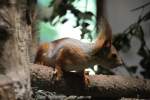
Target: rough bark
(14, 59)
(32, 21)
(104, 86)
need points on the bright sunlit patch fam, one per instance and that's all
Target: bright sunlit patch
(88, 5)
(48, 33)
(95, 67)
(90, 71)
(67, 29)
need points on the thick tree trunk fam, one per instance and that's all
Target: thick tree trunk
(101, 86)
(14, 59)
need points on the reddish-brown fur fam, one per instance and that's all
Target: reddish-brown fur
(69, 54)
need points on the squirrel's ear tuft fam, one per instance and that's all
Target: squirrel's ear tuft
(104, 38)
(106, 32)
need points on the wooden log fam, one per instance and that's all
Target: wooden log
(101, 86)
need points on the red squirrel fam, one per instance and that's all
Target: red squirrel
(69, 54)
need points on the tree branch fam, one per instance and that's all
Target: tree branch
(109, 86)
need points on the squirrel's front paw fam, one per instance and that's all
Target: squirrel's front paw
(58, 74)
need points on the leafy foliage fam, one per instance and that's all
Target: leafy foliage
(67, 5)
(122, 41)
